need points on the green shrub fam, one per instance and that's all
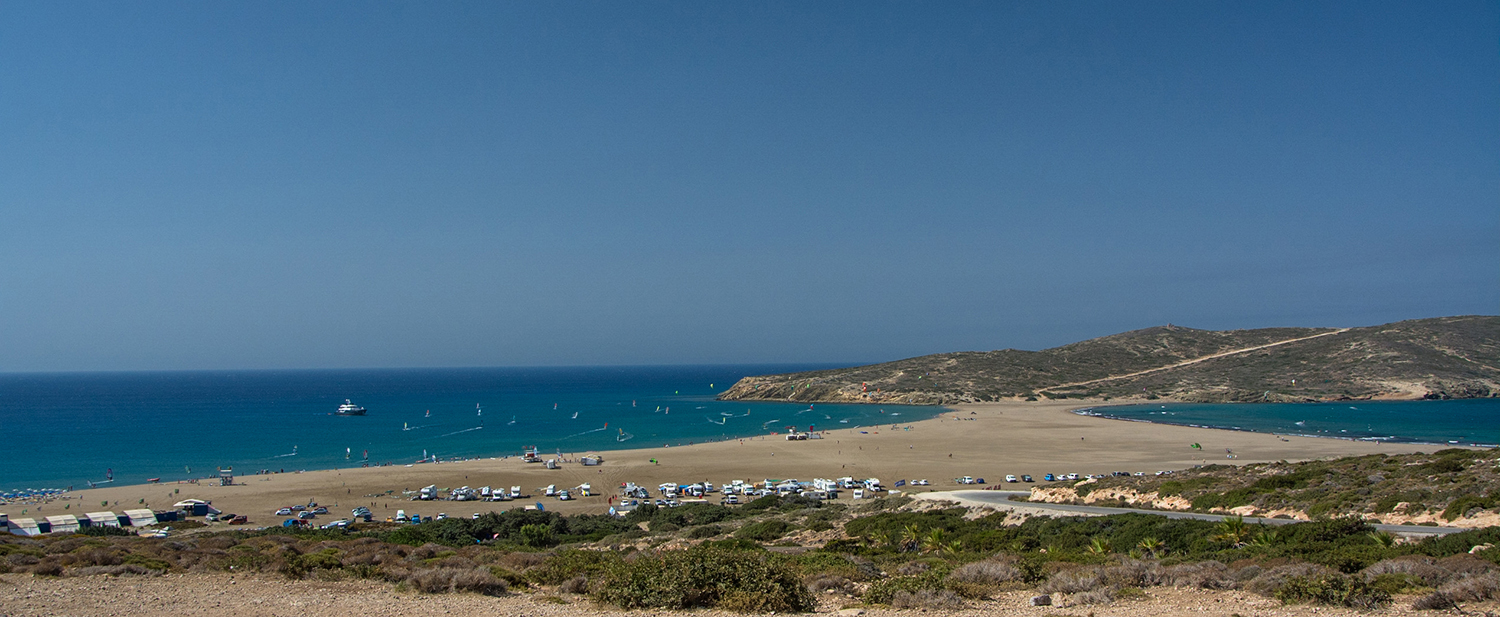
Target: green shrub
(884, 591)
(105, 531)
(1333, 590)
(571, 563)
(511, 578)
(707, 577)
(763, 531)
(1392, 583)
(704, 531)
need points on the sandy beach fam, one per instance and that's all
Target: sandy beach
(988, 441)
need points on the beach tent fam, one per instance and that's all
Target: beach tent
(23, 527)
(66, 523)
(141, 518)
(103, 519)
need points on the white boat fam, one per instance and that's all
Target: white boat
(350, 409)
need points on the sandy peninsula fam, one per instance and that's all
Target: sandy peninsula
(985, 440)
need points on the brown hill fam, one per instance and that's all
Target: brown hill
(1444, 357)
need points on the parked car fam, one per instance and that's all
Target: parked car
(239, 520)
(1049, 478)
(1010, 478)
(304, 515)
(284, 512)
(320, 510)
(1026, 478)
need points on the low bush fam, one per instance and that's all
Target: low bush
(704, 531)
(578, 584)
(763, 531)
(825, 582)
(1200, 575)
(707, 577)
(986, 573)
(439, 580)
(1473, 588)
(571, 563)
(1102, 595)
(1271, 580)
(1076, 580)
(1421, 567)
(1332, 589)
(884, 591)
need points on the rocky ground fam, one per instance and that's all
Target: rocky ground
(176, 595)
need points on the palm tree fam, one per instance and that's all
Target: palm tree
(1152, 546)
(911, 538)
(1233, 531)
(1100, 546)
(933, 542)
(1383, 538)
(1266, 538)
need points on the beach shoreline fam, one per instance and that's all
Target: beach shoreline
(986, 440)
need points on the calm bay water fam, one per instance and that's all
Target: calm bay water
(1463, 422)
(64, 430)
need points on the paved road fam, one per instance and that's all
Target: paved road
(1003, 498)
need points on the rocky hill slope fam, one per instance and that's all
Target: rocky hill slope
(1444, 357)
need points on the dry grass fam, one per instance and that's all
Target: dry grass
(439, 580)
(1077, 580)
(1201, 575)
(578, 584)
(1102, 595)
(1419, 566)
(1473, 588)
(1269, 581)
(986, 573)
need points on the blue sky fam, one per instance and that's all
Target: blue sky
(284, 185)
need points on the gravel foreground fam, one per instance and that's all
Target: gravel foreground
(175, 595)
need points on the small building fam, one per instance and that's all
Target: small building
(23, 527)
(226, 477)
(66, 523)
(140, 518)
(101, 519)
(195, 507)
(592, 460)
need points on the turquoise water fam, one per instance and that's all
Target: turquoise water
(1462, 422)
(64, 430)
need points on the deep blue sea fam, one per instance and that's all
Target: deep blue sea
(62, 430)
(1463, 422)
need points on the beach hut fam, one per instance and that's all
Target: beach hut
(102, 519)
(195, 507)
(66, 523)
(23, 527)
(592, 460)
(141, 518)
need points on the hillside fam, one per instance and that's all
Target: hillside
(1444, 357)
